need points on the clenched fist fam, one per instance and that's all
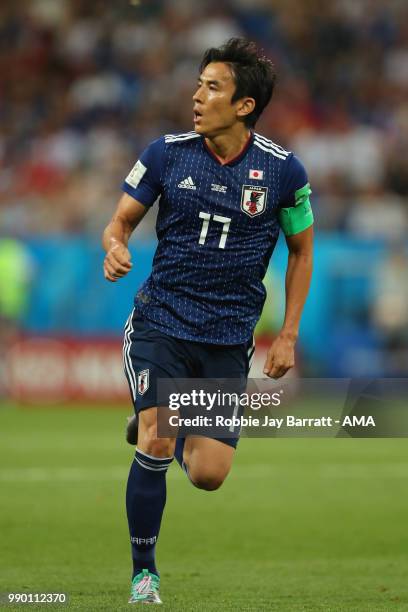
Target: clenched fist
(117, 262)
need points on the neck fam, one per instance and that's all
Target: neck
(228, 145)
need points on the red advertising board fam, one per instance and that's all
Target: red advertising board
(62, 370)
(49, 370)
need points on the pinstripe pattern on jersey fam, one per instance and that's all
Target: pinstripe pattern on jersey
(198, 291)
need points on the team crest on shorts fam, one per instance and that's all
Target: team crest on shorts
(253, 200)
(142, 381)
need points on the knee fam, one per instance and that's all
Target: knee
(157, 447)
(208, 481)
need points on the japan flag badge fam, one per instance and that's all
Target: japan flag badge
(256, 174)
(143, 382)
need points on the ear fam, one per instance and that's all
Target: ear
(245, 106)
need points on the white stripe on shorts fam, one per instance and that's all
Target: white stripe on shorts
(127, 361)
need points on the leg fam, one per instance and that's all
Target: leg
(148, 355)
(131, 430)
(146, 491)
(207, 461)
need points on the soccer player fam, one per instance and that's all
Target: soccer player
(224, 193)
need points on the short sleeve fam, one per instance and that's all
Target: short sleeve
(143, 182)
(294, 179)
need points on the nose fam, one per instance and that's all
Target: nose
(197, 97)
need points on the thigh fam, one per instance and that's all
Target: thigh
(149, 355)
(233, 364)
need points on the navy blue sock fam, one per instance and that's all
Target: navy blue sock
(178, 452)
(145, 501)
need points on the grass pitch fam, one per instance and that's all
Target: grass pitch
(300, 524)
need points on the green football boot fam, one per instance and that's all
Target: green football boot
(145, 588)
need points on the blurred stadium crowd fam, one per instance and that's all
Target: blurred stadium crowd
(86, 85)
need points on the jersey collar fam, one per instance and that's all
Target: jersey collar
(235, 160)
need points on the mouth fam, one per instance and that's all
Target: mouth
(197, 116)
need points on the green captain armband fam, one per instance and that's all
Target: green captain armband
(299, 217)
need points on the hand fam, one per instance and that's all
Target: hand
(280, 357)
(117, 262)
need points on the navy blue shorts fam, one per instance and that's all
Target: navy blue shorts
(149, 354)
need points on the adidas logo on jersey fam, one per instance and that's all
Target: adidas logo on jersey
(187, 183)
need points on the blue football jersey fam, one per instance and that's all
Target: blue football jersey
(217, 227)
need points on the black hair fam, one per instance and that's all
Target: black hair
(254, 74)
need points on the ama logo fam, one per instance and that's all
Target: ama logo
(253, 200)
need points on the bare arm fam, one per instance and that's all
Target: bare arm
(281, 354)
(128, 214)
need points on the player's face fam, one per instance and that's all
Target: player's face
(214, 112)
